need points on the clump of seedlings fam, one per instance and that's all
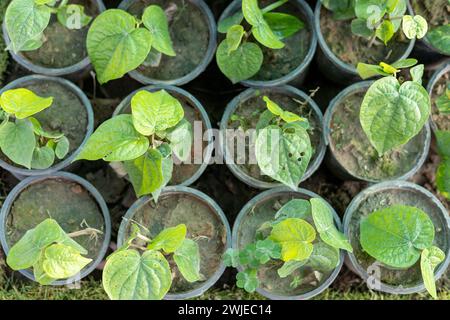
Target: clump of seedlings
(393, 110)
(50, 251)
(380, 19)
(118, 42)
(38, 148)
(290, 243)
(132, 275)
(144, 140)
(398, 236)
(26, 36)
(239, 56)
(282, 147)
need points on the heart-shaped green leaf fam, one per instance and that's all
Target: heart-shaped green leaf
(23, 103)
(181, 138)
(43, 158)
(115, 45)
(187, 258)
(295, 237)
(169, 240)
(391, 114)
(61, 261)
(130, 276)
(154, 18)
(17, 134)
(396, 235)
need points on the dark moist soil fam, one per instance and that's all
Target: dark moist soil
(183, 171)
(67, 114)
(441, 120)
(353, 150)
(67, 202)
(352, 49)
(378, 200)
(203, 226)
(189, 32)
(270, 281)
(251, 109)
(279, 63)
(436, 12)
(63, 47)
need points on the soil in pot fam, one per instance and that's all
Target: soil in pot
(250, 111)
(279, 63)
(385, 198)
(203, 226)
(352, 49)
(63, 47)
(354, 152)
(441, 120)
(436, 12)
(67, 114)
(183, 171)
(69, 203)
(190, 35)
(301, 281)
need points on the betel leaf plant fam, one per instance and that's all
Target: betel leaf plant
(118, 42)
(239, 56)
(380, 19)
(399, 236)
(144, 140)
(393, 110)
(443, 171)
(26, 21)
(290, 242)
(283, 147)
(140, 269)
(52, 253)
(23, 140)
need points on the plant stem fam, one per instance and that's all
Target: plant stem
(273, 6)
(85, 232)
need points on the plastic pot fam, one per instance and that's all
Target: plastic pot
(441, 72)
(209, 53)
(196, 224)
(75, 71)
(124, 107)
(344, 172)
(65, 164)
(296, 76)
(59, 178)
(382, 195)
(260, 209)
(330, 65)
(251, 93)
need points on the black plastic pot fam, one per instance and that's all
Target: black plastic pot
(80, 186)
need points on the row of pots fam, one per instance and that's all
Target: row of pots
(331, 130)
(67, 192)
(331, 65)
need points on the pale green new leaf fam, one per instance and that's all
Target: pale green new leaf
(115, 140)
(234, 37)
(295, 237)
(38, 130)
(323, 220)
(170, 239)
(181, 139)
(130, 276)
(414, 27)
(367, 71)
(25, 20)
(324, 257)
(396, 235)
(417, 73)
(155, 111)
(43, 158)
(385, 31)
(23, 103)
(73, 17)
(187, 258)
(430, 259)
(283, 25)
(17, 134)
(154, 18)
(115, 45)
(62, 147)
(391, 114)
(63, 262)
(38, 271)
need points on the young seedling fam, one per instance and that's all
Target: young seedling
(139, 270)
(398, 236)
(144, 140)
(22, 138)
(393, 110)
(26, 21)
(283, 147)
(238, 56)
(290, 242)
(51, 252)
(378, 18)
(443, 171)
(118, 42)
